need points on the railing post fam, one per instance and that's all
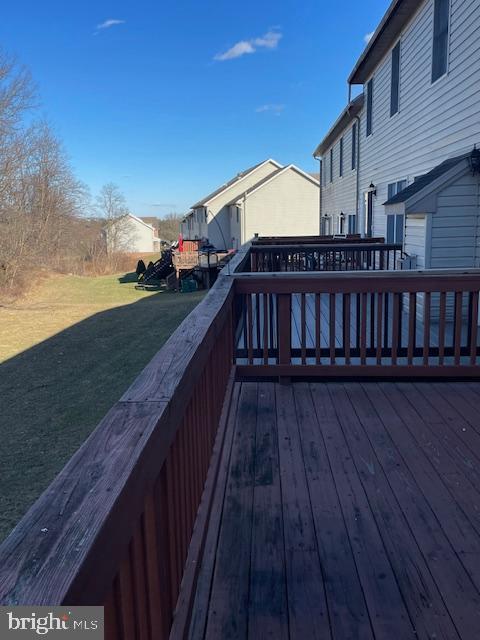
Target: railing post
(284, 328)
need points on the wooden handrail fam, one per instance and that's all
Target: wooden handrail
(114, 527)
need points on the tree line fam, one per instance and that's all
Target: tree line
(48, 220)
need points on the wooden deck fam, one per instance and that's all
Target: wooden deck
(345, 510)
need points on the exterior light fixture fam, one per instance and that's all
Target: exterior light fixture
(372, 189)
(474, 160)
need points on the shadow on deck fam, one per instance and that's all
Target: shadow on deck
(345, 510)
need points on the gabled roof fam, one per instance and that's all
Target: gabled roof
(416, 197)
(352, 109)
(271, 177)
(150, 226)
(397, 16)
(237, 178)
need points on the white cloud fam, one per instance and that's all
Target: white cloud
(106, 24)
(269, 40)
(276, 109)
(368, 36)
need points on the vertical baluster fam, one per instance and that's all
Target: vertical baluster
(318, 345)
(265, 327)
(346, 327)
(284, 327)
(140, 583)
(357, 323)
(112, 629)
(385, 320)
(173, 531)
(271, 316)
(395, 319)
(363, 330)
(332, 328)
(250, 328)
(372, 320)
(157, 555)
(473, 320)
(126, 598)
(458, 326)
(441, 327)
(257, 314)
(426, 328)
(412, 314)
(379, 327)
(303, 329)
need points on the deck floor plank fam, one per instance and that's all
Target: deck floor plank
(388, 611)
(267, 609)
(229, 594)
(305, 588)
(349, 617)
(393, 479)
(347, 510)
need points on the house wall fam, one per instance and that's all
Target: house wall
(339, 195)
(415, 238)
(219, 229)
(286, 206)
(131, 236)
(455, 238)
(435, 121)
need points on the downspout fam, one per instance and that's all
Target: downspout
(357, 188)
(319, 158)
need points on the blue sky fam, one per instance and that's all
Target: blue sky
(170, 99)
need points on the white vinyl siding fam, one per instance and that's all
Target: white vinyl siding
(218, 230)
(339, 195)
(435, 121)
(285, 206)
(455, 225)
(415, 235)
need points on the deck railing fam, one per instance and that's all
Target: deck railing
(115, 526)
(358, 324)
(356, 256)
(347, 239)
(124, 522)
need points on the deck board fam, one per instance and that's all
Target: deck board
(347, 510)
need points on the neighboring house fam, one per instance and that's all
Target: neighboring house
(419, 114)
(130, 234)
(268, 199)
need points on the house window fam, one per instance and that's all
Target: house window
(441, 16)
(395, 80)
(340, 163)
(354, 145)
(326, 228)
(331, 164)
(352, 224)
(341, 224)
(396, 187)
(395, 225)
(238, 214)
(369, 106)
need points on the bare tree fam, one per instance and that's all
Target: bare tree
(111, 205)
(169, 226)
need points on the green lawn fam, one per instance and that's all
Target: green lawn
(67, 353)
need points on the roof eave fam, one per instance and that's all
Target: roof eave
(397, 16)
(341, 123)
